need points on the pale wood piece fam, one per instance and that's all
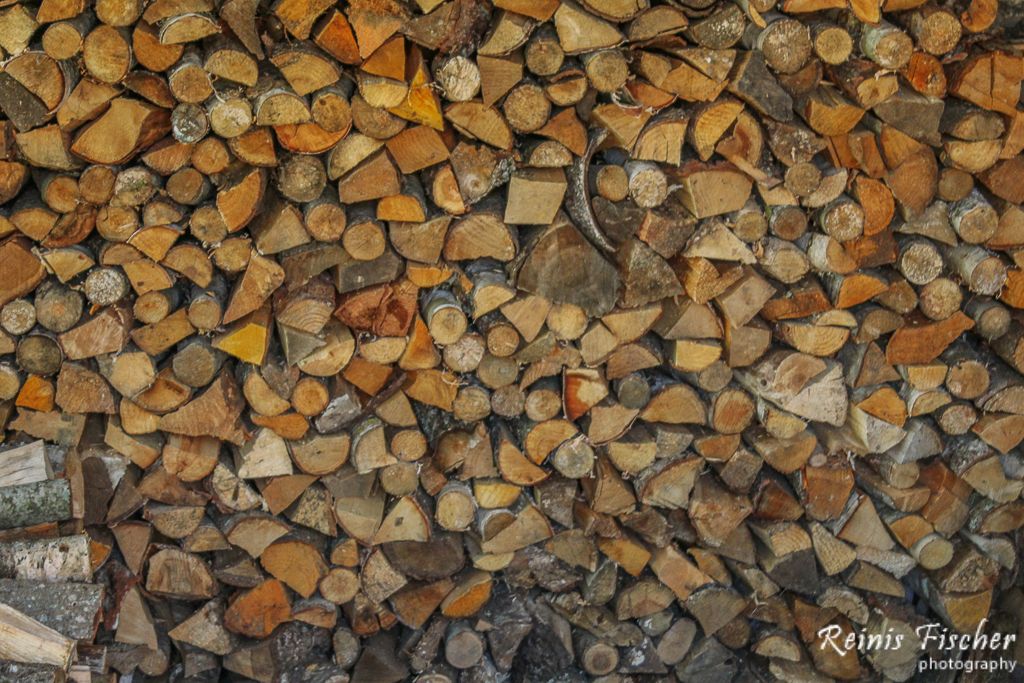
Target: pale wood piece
(27, 640)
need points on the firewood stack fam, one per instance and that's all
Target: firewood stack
(472, 341)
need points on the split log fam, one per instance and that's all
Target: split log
(31, 642)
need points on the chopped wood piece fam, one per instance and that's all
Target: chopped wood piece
(257, 612)
(26, 640)
(711, 190)
(127, 127)
(173, 572)
(564, 268)
(26, 464)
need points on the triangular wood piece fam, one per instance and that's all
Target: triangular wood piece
(406, 521)
(388, 60)
(717, 242)
(874, 369)
(631, 324)
(527, 315)
(248, 339)
(498, 75)
(373, 27)
(360, 517)
(422, 105)
(297, 344)
(205, 629)
(133, 541)
(262, 276)
(530, 526)
(280, 492)
(214, 413)
(134, 621)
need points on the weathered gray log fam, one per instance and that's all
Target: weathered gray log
(72, 609)
(28, 504)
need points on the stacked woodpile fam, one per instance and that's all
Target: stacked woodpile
(471, 341)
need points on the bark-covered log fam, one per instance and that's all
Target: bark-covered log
(72, 609)
(31, 504)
